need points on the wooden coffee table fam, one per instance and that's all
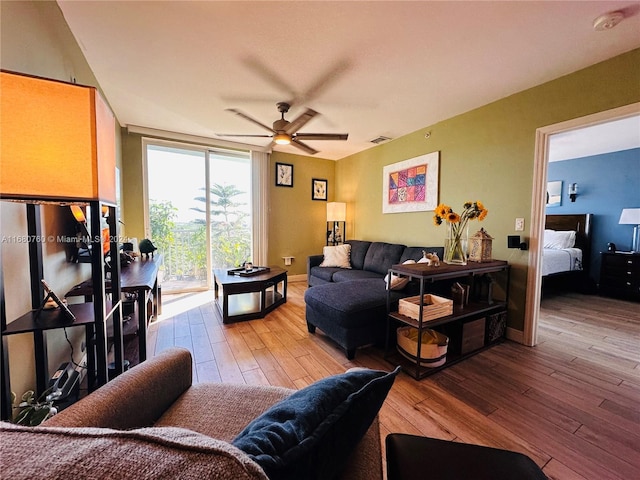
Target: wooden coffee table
(249, 297)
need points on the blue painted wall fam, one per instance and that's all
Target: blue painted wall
(606, 184)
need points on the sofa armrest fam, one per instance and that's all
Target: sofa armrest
(134, 399)
(313, 261)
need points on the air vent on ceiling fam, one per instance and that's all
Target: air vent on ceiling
(380, 139)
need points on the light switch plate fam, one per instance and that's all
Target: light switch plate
(519, 224)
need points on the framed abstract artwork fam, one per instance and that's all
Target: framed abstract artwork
(411, 185)
(284, 175)
(319, 189)
(554, 193)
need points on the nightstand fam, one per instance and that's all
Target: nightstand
(620, 275)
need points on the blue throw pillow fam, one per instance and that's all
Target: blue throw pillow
(312, 433)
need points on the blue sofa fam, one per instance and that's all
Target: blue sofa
(350, 305)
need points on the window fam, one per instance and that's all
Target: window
(200, 211)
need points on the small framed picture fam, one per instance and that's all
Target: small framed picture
(284, 175)
(318, 189)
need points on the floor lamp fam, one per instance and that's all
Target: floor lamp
(336, 218)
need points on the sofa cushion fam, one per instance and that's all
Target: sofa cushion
(220, 400)
(381, 256)
(147, 453)
(348, 275)
(358, 252)
(337, 256)
(311, 433)
(325, 273)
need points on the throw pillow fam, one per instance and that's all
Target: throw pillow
(398, 282)
(559, 239)
(312, 433)
(337, 256)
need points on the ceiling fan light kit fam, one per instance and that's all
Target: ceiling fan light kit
(284, 132)
(282, 139)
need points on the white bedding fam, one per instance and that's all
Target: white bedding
(561, 260)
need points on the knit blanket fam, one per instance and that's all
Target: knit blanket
(146, 453)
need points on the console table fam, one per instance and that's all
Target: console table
(140, 277)
(249, 297)
(472, 327)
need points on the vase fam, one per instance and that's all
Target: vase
(455, 245)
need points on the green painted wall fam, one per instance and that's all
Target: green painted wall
(298, 223)
(486, 154)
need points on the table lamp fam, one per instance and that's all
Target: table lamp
(631, 216)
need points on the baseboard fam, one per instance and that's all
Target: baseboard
(297, 278)
(515, 335)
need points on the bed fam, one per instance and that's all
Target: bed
(566, 253)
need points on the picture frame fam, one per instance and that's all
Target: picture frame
(284, 175)
(554, 193)
(319, 187)
(411, 185)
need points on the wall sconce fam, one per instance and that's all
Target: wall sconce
(573, 191)
(631, 216)
(336, 218)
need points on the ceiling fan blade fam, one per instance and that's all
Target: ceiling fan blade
(303, 146)
(269, 75)
(301, 121)
(321, 136)
(322, 83)
(240, 135)
(252, 120)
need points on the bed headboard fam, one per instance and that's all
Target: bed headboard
(581, 223)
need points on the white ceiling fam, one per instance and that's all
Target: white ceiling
(613, 136)
(370, 68)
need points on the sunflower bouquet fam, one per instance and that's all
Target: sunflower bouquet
(455, 249)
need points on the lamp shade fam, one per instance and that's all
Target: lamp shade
(57, 141)
(336, 212)
(630, 216)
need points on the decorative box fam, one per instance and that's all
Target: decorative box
(433, 348)
(433, 307)
(465, 337)
(480, 245)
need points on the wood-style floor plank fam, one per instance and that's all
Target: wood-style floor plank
(571, 403)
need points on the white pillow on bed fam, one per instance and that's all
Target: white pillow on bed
(559, 239)
(337, 256)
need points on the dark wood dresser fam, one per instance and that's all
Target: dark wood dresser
(620, 275)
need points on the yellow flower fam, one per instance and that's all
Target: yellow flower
(442, 210)
(483, 214)
(453, 217)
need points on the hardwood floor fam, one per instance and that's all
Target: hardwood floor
(572, 403)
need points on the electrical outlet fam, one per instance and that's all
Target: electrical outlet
(519, 224)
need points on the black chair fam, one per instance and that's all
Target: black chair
(411, 457)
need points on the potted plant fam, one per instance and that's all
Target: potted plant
(33, 411)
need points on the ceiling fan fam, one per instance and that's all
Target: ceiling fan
(285, 132)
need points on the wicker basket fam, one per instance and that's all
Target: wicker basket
(433, 350)
(433, 307)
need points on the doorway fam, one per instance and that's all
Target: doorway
(538, 206)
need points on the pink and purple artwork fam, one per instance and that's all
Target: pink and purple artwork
(408, 185)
